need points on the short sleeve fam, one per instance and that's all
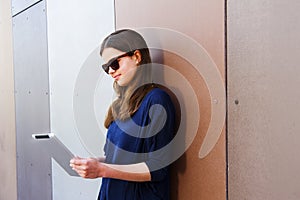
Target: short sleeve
(158, 146)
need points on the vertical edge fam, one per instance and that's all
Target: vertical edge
(115, 15)
(226, 84)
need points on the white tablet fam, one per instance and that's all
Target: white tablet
(57, 150)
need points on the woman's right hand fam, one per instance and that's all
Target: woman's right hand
(88, 167)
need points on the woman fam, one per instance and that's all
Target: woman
(140, 125)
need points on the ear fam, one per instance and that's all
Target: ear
(138, 56)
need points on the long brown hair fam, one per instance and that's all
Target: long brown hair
(129, 97)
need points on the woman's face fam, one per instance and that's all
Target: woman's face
(128, 66)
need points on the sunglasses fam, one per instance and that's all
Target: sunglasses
(114, 62)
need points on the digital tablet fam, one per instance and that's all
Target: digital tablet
(57, 150)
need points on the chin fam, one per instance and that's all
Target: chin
(121, 83)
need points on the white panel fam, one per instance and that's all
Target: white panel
(75, 30)
(66, 187)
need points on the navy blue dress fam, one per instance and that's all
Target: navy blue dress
(143, 138)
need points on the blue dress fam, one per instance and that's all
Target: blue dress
(143, 138)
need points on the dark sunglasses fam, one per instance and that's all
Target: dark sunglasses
(114, 62)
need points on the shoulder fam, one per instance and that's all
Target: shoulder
(158, 95)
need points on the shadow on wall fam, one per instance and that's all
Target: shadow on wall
(178, 166)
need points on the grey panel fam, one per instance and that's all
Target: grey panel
(32, 102)
(19, 5)
(263, 99)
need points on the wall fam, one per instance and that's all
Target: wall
(189, 38)
(54, 43)
(263, 75)
(263, 99)
(31, 99)
(8, 171)
(78, 99)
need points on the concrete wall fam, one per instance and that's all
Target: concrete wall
(8, 171)
(263, 99)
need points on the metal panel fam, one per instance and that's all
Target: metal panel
(263, 99)
(8, 176)
(32, 102)
(20, 5)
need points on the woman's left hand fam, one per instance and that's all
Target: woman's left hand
(87, 167)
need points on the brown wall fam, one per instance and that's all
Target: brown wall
(8, 189)
(192, 177)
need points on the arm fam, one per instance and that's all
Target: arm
(92, 168)
(101, 159)
(133, 172)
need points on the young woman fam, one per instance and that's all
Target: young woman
(140, 123)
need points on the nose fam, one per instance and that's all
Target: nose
(110, 70)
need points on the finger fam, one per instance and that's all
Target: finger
(81, 173)
(79, 167)
(78, 161)
(75, 158)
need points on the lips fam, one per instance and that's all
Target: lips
(116, 77)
